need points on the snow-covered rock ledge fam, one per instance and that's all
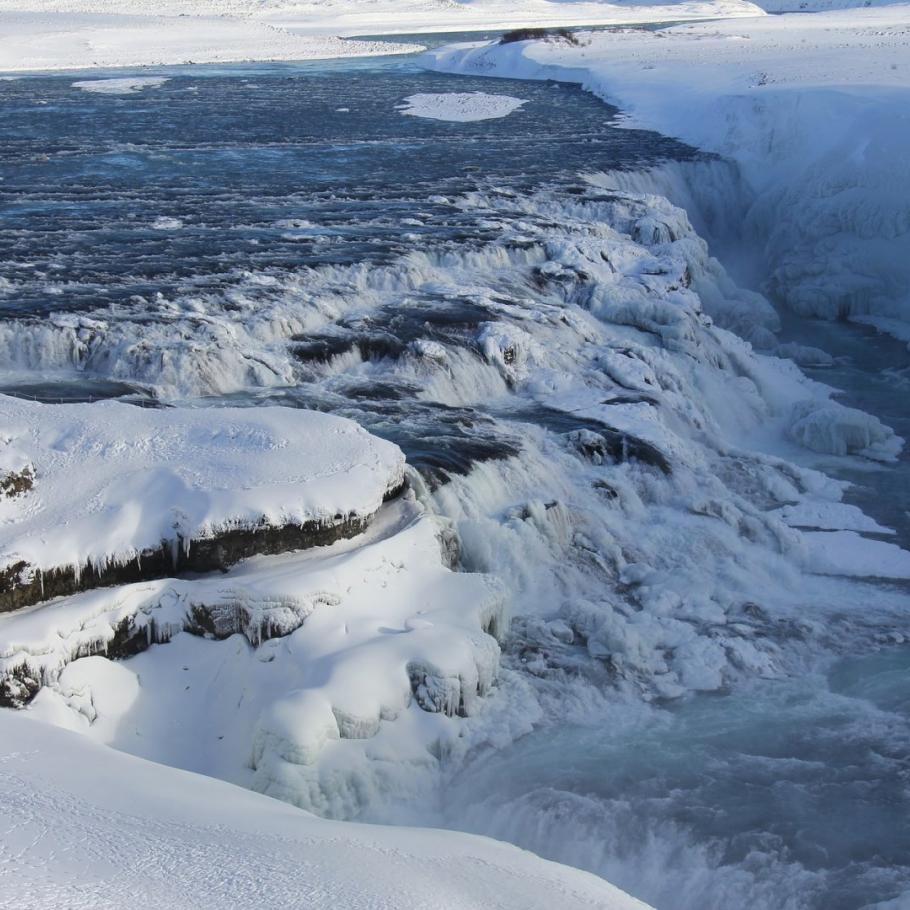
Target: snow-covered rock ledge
(108, 493)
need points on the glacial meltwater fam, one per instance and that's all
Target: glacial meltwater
(286, 234)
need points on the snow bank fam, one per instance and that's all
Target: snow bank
(464, 107)
(91, 35)
(818, 6)
(115, 484)
(813, 109)
(335, 654)
(91, 825)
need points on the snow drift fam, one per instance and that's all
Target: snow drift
(88, 824)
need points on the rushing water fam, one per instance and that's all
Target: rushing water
(781, 796)
(149, 228)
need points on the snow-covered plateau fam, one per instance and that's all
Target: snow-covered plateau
(83, 34)
(80, 34)
(110, 489)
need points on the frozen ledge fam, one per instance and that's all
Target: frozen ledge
(102, 494)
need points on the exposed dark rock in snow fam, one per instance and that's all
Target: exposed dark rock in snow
(16, 482)
(21, 585)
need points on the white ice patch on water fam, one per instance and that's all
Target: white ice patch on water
(460, 107)
(829, 516)
(165, 223)
(128, 85)
(847, 553)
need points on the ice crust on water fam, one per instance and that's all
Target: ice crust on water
(128, 85)
(112, 481)
(460, 107)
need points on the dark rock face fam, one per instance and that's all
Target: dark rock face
(22, 586)
(18, 687)
(436, 694)
(20, 683)
(613, 446)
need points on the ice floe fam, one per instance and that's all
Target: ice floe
(460, 107)
(127, 85)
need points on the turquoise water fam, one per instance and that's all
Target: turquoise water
(784, 795)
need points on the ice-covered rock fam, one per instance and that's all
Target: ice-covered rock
(832, 429)
(334, 653)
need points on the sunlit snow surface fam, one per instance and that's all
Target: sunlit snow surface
(538, 346)
(84, 826)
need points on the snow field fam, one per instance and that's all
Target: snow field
(91, 37)
(83, 34)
